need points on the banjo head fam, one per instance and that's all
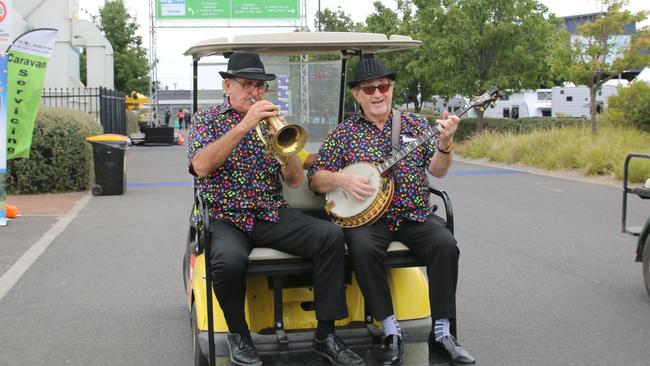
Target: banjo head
(345, 205)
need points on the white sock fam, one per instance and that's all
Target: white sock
(391, 326)
(441, 328)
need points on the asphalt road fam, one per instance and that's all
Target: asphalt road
(546, 278)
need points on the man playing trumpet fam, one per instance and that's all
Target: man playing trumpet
(240, 180)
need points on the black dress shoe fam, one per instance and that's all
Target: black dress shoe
(242, 351)
(449, 347)
(335, 351)
(392, 352)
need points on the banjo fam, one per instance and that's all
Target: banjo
(348, 212)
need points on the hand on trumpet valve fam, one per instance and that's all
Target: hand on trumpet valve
(260, 110)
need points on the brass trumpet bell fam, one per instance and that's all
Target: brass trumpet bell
(288, 139)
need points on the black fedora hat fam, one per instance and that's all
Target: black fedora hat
(246, 65)
(370, 68)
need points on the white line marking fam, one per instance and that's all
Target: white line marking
(22, 265)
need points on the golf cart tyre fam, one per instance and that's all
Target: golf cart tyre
(199, 358)
(646, 264)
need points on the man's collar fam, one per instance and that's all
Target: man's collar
(225, 106)
(359, 116)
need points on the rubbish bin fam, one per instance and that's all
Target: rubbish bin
(109, 156)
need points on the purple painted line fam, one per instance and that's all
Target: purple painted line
(158, 184)
(463, 173)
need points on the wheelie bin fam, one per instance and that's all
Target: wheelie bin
(109, 156)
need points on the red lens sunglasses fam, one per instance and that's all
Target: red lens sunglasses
(370, 90)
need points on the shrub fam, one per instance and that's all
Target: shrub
(467, 126)
(566, 148)
(60, 158)
(632, 104)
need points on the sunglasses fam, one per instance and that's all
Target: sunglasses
(370, 90)
(250, 85)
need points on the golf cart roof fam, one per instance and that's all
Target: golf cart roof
(300, 43)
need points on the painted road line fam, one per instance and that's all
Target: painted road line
(158, 184)
(460, 173)
(463, 173)
(22, 265)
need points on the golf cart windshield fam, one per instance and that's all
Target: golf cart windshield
(309, 93)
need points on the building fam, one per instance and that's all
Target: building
(74, 34)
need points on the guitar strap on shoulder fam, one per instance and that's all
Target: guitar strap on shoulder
(396, 129)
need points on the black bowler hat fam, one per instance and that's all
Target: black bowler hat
(370, 68)
(246, 65)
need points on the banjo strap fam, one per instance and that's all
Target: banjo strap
(396, 129)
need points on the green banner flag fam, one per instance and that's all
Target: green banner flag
(27, 62)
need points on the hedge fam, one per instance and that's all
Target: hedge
(60, 158)
(467, 126)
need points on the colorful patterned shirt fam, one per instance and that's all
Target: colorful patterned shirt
(358, 140)
(247, 186)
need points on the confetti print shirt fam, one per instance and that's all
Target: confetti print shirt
(247, 186)
(358, 140)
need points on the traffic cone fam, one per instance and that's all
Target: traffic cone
(11, 211)
(181, 138)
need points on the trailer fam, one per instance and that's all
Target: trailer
(524, 104)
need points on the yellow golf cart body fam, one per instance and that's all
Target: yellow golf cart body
(279, 301)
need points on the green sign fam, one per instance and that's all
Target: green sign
(227, 9)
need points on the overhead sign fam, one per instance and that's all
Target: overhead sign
(227, 9)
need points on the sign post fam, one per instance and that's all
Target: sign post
(3, 138)
(6, 13)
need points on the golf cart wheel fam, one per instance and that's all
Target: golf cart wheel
(199, 358)
(646, 264)
(96, 190)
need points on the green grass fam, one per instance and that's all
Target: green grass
(564, 148)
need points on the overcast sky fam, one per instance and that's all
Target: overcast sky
(174, 69)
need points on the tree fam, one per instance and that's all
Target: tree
(600, 53)
(412, 85)
(337, 21)
(131, 66)
(470, 45)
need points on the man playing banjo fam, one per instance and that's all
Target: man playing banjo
(367, 137)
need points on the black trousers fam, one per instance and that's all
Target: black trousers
(296, 233)
(430, 241)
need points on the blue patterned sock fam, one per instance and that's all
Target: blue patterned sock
(391, 326)
(441, 328)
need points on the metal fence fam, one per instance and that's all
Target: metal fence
(106, 105)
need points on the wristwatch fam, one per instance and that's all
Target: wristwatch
(446, 150)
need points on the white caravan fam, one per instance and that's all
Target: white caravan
(524, 104)
(574, 101)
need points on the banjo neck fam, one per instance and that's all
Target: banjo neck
(387, 164)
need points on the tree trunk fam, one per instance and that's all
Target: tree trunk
(417, 105)
(592, 108)
(479, 121)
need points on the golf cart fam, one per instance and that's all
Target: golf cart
(643, 233)
(279, 302)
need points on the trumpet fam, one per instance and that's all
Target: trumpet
(288, 140)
